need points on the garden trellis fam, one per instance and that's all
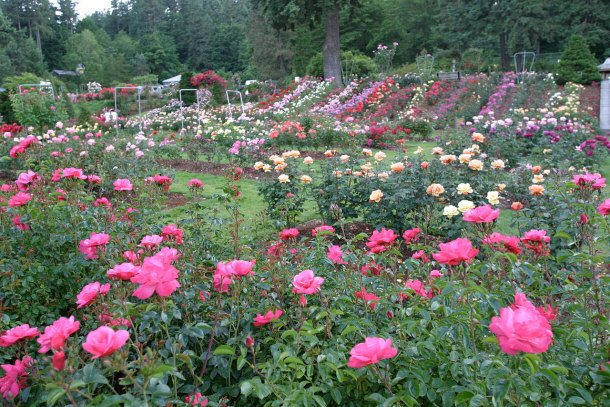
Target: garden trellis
(241, 99)
(425, 63)
(521, 60)
(182, 106)
(139, 91)
(37, 85)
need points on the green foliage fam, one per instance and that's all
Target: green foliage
(12, 82)
(6, 108)
(362, 65)
(36, 108)
(577, 64)
(188, 98)
(150, 79)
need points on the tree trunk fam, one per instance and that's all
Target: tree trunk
(332, 46)
(282, 66)
(504, 58)
(39, 43)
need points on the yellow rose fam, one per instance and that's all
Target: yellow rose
(307, 160)
(464, 158)
(437, 150)
(258, 165)
(376, 196)
(380, 155)
(367, 152)
(464, 189)
(306, 179)
(538, 178)
(283, 178)
(450, 211)
(465, 205)
(476, 165)
(344, 158)
(493, 197)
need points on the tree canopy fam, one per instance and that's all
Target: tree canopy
(263, 39)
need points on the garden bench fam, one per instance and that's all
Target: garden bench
(450, 76)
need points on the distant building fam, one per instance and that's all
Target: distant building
(173, 80)
(58, 73)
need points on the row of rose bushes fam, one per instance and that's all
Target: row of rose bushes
(154, 318)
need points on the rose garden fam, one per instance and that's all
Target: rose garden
(401, 240)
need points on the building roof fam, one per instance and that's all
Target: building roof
(173, 79)
(605, 67)
(60, 72)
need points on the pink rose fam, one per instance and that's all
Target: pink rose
(240, 268)
(105, 341)
(55, 335)
(19, 199)
(522, 328)
(456, 251)
(122, 184)
(59, 360)
(75, 173)
(604, 208)
(289, 234)
(18, 333)
(90, 292)
(411, 235)
(323, 228)
(123, 271)
(195, 183)
(171, 232)
(306, 283)
(371, 351)
(265, 319)
(156, 275)
(150, 241)
(335, 254)
(481, 214)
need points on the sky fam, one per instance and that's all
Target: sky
(88, 7)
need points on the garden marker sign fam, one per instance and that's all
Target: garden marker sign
(182, 106)
(241, 99)
(524, 62)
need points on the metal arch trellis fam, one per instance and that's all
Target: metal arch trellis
(425, 63)
(347, 67)
(37, 85)
(241, 99)
(521, 69)
(116, 109)
(182, 106)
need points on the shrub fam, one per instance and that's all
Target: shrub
(577, 63)
(363, 65)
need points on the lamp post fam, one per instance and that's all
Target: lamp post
(604, 96)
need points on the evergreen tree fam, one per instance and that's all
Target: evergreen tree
(577, 63)
(285, 13)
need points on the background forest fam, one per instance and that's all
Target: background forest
(135, 38)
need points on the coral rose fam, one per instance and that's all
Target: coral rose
(371, 351)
